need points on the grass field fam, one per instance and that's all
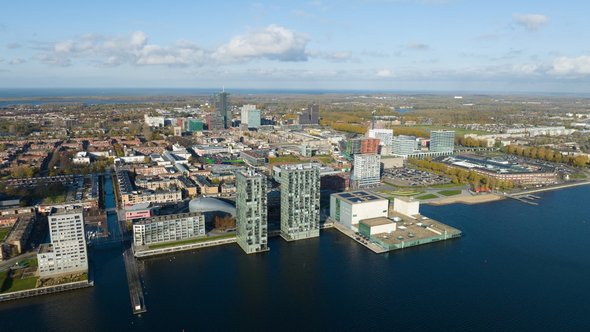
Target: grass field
(18, 284)
(190, 241)
(402, 192)
(449, 192)
(4, 232)
(427, 196)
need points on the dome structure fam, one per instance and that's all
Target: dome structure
(210, 204)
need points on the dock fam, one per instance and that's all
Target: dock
(134, 282)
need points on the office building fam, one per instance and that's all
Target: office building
(251, 211)
(366, 171)
(66, 254)
(168, 228)
(221, 116)
(195, 125)
(349, 208)
(403, 145)
(442, 141)
(250, 116)
(310, 115)
(385, 135)
(362, 146)
(300, 201)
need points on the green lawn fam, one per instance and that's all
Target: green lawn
(449, 192)
(4, 232)
(190, 241)
(284, 159)
(402, 192)
(427, 196)
(18, 284)
(573, 176)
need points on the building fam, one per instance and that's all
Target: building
(384, 135)
(349, 208)
(403, 145)
(374, 226)
(250, 116)
(362, 146)
(442, 141)
(310, 115)
(366, 171)
(195, 125)
(221, 117)
(300, 201)
(154, 121)
(66, 254)
(405, 206)
(168, 228)
(251, 212)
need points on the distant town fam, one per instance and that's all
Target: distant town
(183, 173)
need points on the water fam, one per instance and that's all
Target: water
(517, 268)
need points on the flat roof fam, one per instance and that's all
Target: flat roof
(372, 222)
(359, 196)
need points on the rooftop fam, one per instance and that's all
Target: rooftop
(360, 196)
(372, 222)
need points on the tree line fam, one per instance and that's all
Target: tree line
(546, 154)
(461, 176)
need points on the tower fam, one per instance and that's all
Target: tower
(251, 212)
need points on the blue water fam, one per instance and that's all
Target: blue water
(517, 268)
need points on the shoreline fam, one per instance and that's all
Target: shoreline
(487, 198)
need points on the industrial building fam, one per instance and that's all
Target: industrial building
(251, 211)
(349, 208)
(406, 206)
(300, 201)
(66, 253)
(168, 228)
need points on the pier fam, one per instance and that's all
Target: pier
(134, 282)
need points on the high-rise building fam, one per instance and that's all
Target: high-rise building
(366, 171)
(251, 211)
(362, 145)
(403, 145)
(66, 253)
(442, 141)
(311, 115)
(300, 201)
(250, 116)
(385, 135)
(221, 117)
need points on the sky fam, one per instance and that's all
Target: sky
(399, 45)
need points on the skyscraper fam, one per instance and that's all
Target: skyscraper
(221, 117)
(66, 253)
(251, 212)
(442, 141)
(403, 145)
(310, 115)
(300, 201)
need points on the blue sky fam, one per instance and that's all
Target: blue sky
(446, 45)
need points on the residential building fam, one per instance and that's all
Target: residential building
(385, 135)
(366, 171)
(300, 201)
(66, 253)
(251, 211)
(168, 228)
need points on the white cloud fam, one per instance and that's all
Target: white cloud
(531, 22)
(571, 66)
(16, 61)
(384, 73)
(418, 46)
(274, 42)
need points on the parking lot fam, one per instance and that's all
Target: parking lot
(412, 177)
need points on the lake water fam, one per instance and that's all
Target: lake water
(517, 268)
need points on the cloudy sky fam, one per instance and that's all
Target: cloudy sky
(447, 45)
